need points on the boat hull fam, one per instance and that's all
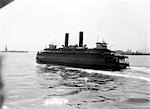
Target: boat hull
(90, 61)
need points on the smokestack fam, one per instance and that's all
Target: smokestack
(66, 39)
(81, 39)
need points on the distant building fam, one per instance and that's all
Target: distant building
(6, 48)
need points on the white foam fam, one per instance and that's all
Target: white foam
(4, 107)
(125, 73)
(55, 101)
(35, 63)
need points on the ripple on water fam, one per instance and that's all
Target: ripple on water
(137, 100)
(55, 101)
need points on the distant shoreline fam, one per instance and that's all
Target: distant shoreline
(15, 51)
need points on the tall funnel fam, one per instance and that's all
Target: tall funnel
(81, 39)
(66, 39)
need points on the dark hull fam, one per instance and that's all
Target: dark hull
(90, 61)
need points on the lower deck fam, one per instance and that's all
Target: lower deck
(92, 61)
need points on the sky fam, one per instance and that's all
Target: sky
(34, 24)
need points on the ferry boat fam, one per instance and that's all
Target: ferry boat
(80, 56)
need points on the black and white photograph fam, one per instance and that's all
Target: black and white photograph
(74, 54)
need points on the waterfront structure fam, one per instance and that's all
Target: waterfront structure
(6, 48)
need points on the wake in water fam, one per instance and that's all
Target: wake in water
(142, 73)
(88, 86)
(39, 86)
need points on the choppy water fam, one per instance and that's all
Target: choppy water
(32, 86)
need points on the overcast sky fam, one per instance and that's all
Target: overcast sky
(33, 24)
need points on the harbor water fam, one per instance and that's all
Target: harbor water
(28, 85)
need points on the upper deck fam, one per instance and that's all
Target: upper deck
(100, 49)
(76, 50)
